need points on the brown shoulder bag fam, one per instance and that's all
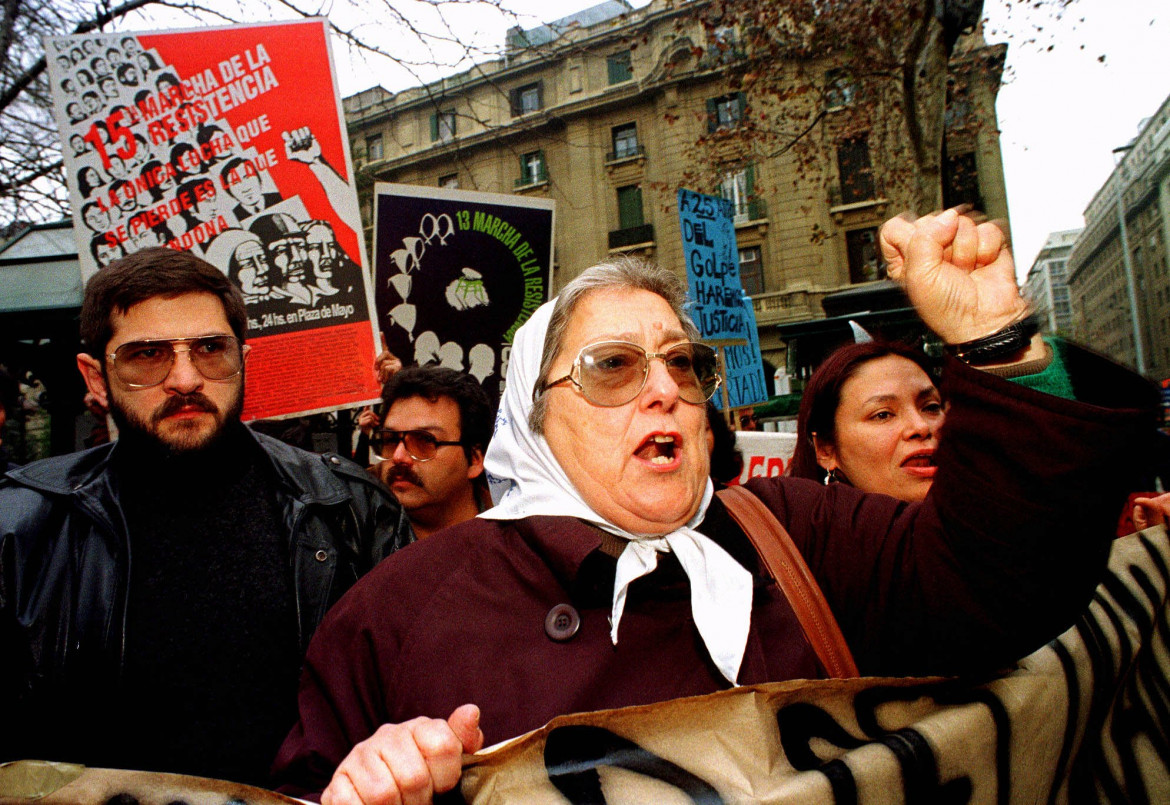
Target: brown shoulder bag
(786, 565)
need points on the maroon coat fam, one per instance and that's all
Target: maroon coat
(999, 559)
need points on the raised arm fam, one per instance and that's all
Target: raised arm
(1010, 542)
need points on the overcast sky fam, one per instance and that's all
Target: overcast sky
(1063, 112)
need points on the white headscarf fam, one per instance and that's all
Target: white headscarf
(526, 479)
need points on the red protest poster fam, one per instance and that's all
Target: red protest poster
(207, 140)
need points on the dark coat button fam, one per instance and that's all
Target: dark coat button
(562, 622)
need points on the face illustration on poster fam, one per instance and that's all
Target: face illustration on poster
(481, 359)
(451, 356)
(426, 348)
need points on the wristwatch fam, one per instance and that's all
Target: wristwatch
(999, 345)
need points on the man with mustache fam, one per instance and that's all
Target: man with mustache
(157, 594)
(430, 448)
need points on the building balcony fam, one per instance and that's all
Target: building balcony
(631, 236)
(614, 157)
(869, 198)
(754, 210)
(782, 307)
(532, 179)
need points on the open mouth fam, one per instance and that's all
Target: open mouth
(659, 449)
(920, 464)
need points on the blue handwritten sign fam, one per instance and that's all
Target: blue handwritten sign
(746, 384)
(718, 304)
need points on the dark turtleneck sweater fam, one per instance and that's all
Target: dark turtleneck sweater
(211, 658)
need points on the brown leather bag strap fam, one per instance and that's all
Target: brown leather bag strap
(784, 561)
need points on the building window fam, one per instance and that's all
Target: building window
(443, 126)
(865, 261)
(725, 112)
(625, 141)
(374, 147)
(630, 207)
(738, 188)
(450, 181)
(855, 170)
(839, 89)
(620, 67)
(528, 98)
(751, 270)
(532, 169)
(725, 44)
(961, 182)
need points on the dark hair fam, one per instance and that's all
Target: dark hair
(822, 396)
(100, 239)
(433, 382)
(232, 164)
(146, 274)
(123, 70)
(148, 173)
(726, 458)
(83, 183)
(207, 133)
(177, 154)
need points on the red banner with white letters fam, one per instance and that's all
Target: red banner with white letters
(202, 140)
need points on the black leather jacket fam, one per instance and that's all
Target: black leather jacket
(65, 558)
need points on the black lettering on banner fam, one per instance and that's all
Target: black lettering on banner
(1129, 692)
(573, 754)
(801, 722)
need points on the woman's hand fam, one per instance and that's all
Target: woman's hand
(958, 274)
(406, 763)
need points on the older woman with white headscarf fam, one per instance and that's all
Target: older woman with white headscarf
(608, 576)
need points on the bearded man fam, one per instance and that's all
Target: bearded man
(157, 594)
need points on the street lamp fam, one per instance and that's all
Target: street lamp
(1127, 261)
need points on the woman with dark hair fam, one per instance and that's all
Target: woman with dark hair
(870, 417)
(88, 180)
(147, 63)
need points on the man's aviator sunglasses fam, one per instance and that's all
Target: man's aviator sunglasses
(612, 373)
(420, 445)
(142, 364)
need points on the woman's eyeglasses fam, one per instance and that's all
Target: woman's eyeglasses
(612, 373)
(142, 364)
(420, 445)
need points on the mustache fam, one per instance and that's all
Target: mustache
(402, 472)
(174, 404)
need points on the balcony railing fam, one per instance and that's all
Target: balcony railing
(754, 210)
(862, 191)
(620, 238)
(614, 156)
(529, 179)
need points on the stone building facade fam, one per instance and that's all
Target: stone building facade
(1047, 284)
(601, 111)
(1097, 271)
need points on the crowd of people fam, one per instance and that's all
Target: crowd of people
(197, 597)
